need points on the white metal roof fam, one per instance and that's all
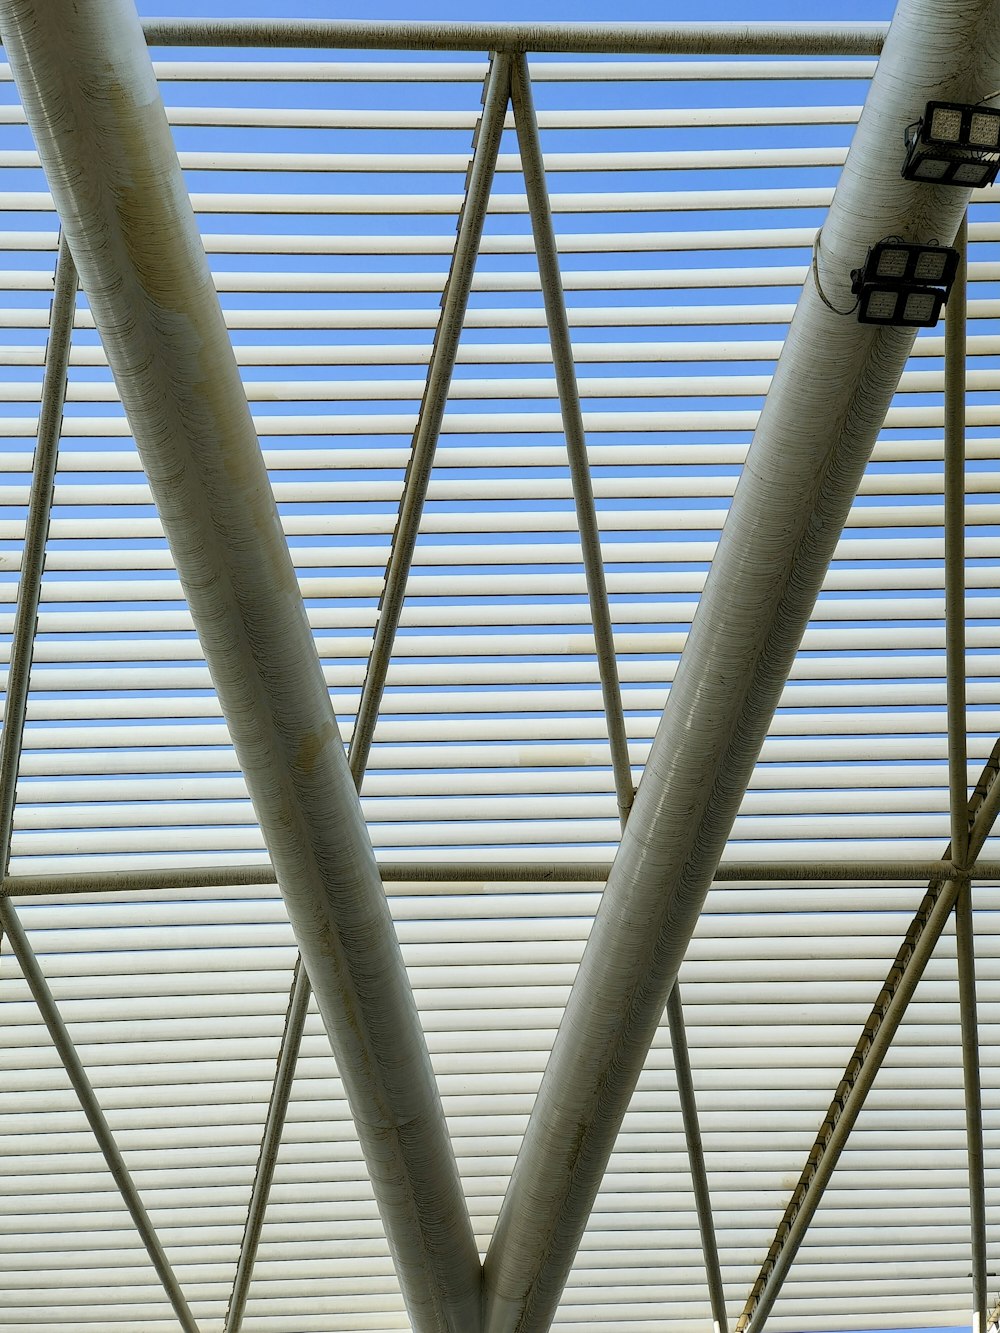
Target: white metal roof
(686, 193)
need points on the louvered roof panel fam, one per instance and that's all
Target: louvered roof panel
(686, 197)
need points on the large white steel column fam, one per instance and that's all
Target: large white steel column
(832, 387)
(92, 103)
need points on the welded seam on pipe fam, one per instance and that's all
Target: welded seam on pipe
(918, 944)
(22, 648)
(441, 365)
(533, 166)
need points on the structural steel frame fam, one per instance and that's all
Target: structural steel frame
(972, 819)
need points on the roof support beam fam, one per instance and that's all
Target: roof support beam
(480, 872)
(831, 390)
(15, 708)
(547, 254)
(120, 194)
(876, 1037)
(743, 39)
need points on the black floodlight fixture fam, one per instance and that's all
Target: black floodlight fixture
(954, 144)
(904, 307)
(903, 284)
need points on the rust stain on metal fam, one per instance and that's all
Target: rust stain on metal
(311, 747)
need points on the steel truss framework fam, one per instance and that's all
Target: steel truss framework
(312, 824)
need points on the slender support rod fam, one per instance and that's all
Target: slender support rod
(547, 255)
(572, 417)
(36, 531)
(441, 365)
(954, 549)
(91, 99)
(454, 302)
(481, 872)
(63, 1043)
(966, 949)
(22, 646)
(288, 1054)
(696, 1157)
(955, 351)
(828, 399)
(890, 1006)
